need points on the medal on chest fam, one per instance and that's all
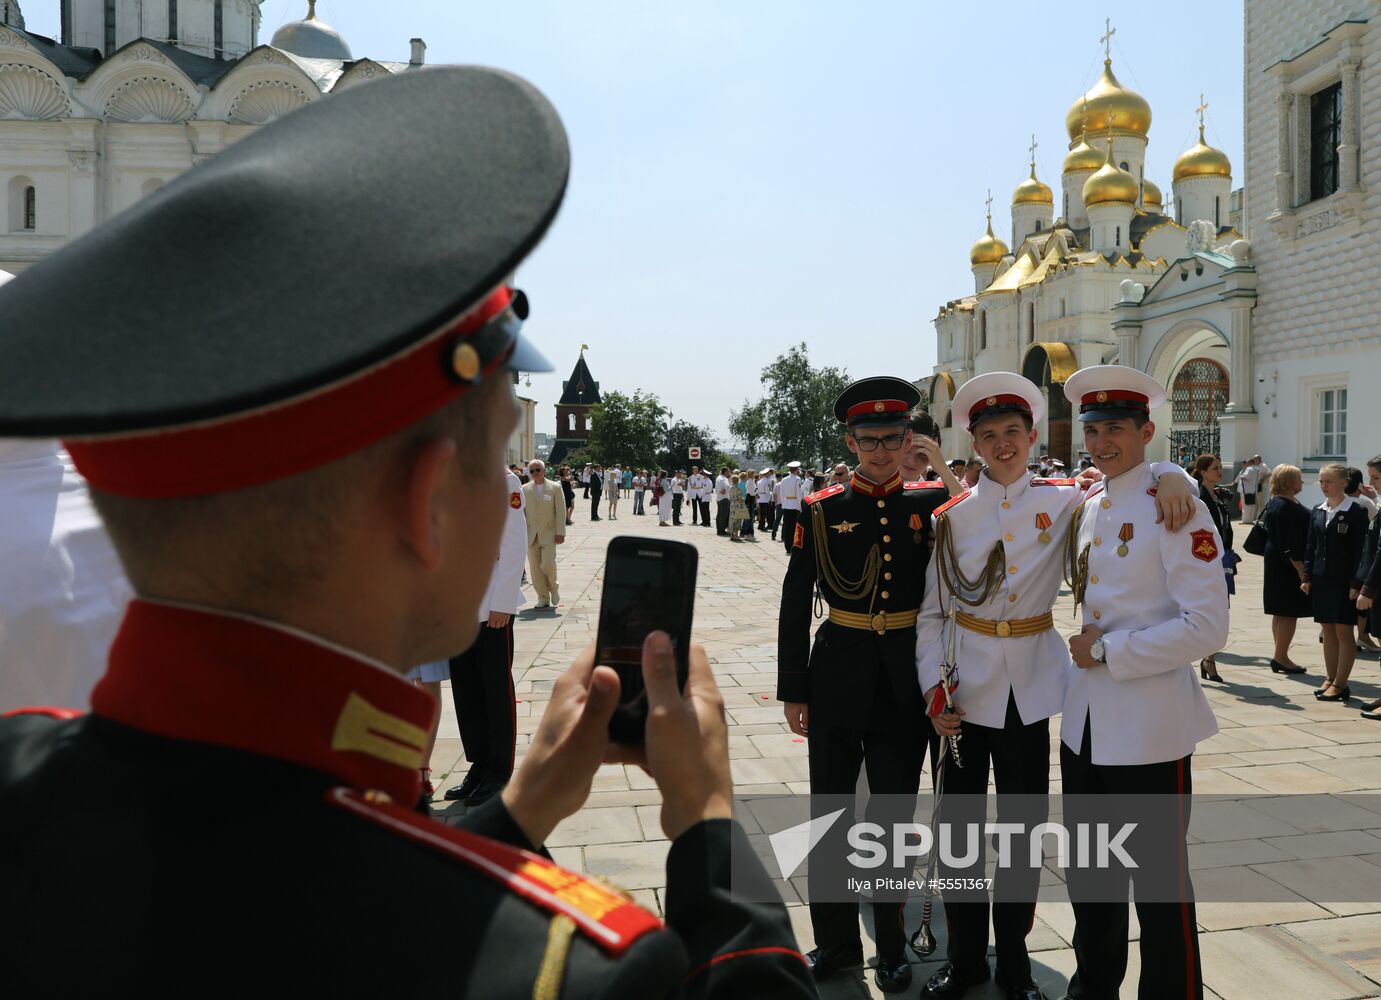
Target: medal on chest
(1126, 536)
(1043, 524)
(916, 524)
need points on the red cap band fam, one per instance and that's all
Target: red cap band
(1114, 396)
(1002, 399)
(284, 439)
(877, 406)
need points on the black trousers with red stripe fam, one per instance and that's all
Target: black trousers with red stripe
(1019, 756)
(486, 707)
(1170, 968)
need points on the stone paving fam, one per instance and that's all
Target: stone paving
(1275, 738)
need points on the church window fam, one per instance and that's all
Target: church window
(66, 18)
(23, 206)
(172, 21)
(1200, 392)
(220, 29)
(1038, 225)
(109, 27)
(1123, 165)
(1031, 328)
(1066, 206)
(1325, 132)
(587, 423)
(982, 331)
(570, 418)
(1117, 238)
(1217, 210)
(1062, 308)
(30, 209)
(1331, 406)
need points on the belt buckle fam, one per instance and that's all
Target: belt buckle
(879, 623)
(1004, 630)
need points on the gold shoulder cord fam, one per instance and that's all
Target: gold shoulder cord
(1076, 562)
(553, 970)
(826, 572)
(947, 560)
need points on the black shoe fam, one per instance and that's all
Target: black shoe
(1372, 711)
(949, 983)
(892, 977)
(466, 787)
(825, 962)
(1281, 668)
(1344, 694)
(1209, 673)
(484, 792)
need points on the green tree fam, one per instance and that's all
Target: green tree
(627, 430)
(795, 420)
(681, 437)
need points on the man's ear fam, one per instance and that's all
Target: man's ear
(1148, 431)
(426, 505)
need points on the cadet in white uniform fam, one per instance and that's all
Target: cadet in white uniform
(1007, 536)
(1153, 605)
(767, 482)
(693, 493)
(791, 491)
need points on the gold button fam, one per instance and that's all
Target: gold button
(1003, 630)
(1098, 541)
(882, 520)
(882, 503)
(1106, 503)
(887, 557)
(885, 595)
(1093, 579)
(1012, 570)
(1012, 598)
(1011, 538)
(886, 538)
(378, 798)
(887, 576)
(1098, 614)
(1006, 505)
(465, 362)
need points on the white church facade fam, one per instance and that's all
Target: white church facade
(1105, 271)
(134, 93)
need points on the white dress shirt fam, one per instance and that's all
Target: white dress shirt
(791, 492)
(1162, 607)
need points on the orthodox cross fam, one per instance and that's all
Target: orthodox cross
(1106, 39)
(989, 203)
(1203, 106)
(1032, 149)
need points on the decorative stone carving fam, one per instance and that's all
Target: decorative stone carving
(1201, 236)
(149, 99)
(28, 93)
(1241, 252)
(1334, 215)
(268, 56)
(82, 160)
(1131, 291)
(261, 103)
(147, 53)
(8, 37)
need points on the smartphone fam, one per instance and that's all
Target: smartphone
(649, 586)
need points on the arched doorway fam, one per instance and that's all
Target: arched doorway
(1198, 397)
(1048, 366)
(941, 392)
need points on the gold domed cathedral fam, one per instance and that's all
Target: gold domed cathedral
(1096, 270)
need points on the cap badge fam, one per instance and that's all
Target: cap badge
(878, 407)
(465, 361)
(992, 400)
(1102, 396)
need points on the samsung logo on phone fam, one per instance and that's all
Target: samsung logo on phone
(650, 553)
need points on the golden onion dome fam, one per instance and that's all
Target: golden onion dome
(1202, 160)
(989, 249)
(1150, 195)
(1082, 157)
(1108, 101)
(1032, 192)
(1110, 184)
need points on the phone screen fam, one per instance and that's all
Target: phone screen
(649, 586)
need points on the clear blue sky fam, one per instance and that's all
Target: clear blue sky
(750, 173)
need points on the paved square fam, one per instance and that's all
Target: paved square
(1275, 738)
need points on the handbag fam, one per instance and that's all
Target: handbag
(1256, 539)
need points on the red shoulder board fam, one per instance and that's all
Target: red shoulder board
(828, 491)
(924, 484)
(1093, 491)
(1054, 482)
(55, 713)
(950, 503)
(608, 918)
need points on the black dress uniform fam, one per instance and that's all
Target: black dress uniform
(1333, 559)
(1370, 573)
(1287, 528)
(244, 825)
(859, 678)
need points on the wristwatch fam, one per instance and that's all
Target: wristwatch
(1098, 651)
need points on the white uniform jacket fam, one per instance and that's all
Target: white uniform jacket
(1034, 668)
(766, 484)
(693, 486)
(1162, 607)
(506, 585)
(792, 492)
(721, 488)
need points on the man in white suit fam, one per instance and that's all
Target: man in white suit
(545, 508)
(482, 676)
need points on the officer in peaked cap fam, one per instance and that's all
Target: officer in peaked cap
(290, 397)
(855, 695)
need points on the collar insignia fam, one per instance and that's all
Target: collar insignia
(845, 527)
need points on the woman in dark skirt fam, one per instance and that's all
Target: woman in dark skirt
(1286, 521)
(1208, 470)
(1370, 575)
(1332, 560)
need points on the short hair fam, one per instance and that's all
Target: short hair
(273, 538)
(1285, 476)
(1374, 463)
(923, 423)
(973, 462)
(537, 463)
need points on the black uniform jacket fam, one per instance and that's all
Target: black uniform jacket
(233, 820)
(1335, 549)
(858, 677)
(1370, 571)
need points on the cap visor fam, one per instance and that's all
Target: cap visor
(526, 358)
